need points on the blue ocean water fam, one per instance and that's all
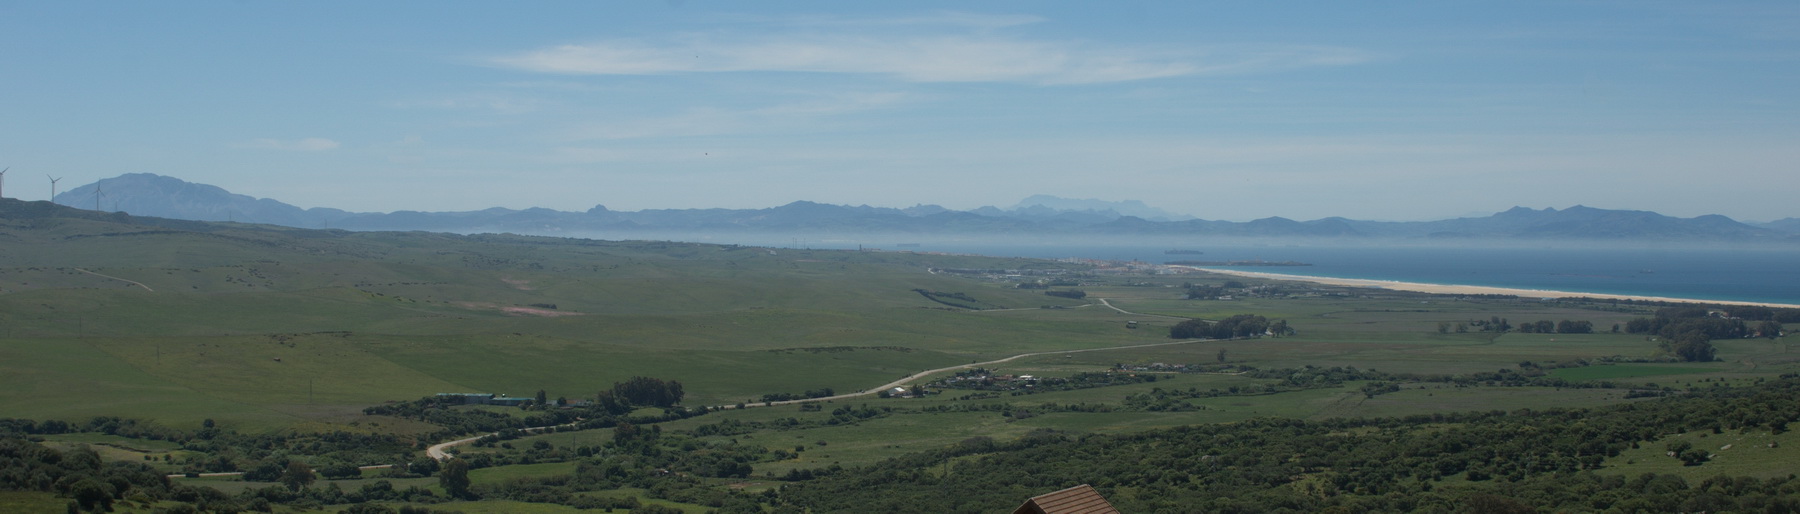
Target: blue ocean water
(1753, 275)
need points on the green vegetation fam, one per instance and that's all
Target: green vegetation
(311, 362)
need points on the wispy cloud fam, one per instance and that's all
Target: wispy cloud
(918, 58)
(310, 144)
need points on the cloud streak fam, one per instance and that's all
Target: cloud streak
(924, 58)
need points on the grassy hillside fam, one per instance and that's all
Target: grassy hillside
(275, 331)
(272, 326)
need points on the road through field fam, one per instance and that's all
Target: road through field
(1109, 305)
(922, 374)
(438, 451)
(132, 282)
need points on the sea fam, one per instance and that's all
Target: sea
(1768, 274)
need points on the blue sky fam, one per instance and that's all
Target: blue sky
(1222, 110)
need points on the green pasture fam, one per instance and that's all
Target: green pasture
(1734, 453)
(267, 328)
(30, 502)
(644, 498)
(499, 474)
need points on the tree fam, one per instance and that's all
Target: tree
(625, 432)
(298, 475)
(1769, 329)
(1693, 457)
(649, 391)
(92, 495)
(1280, 328)
(1574, 327)
(1190, 329)
(1691, 347)
(455, 478)
(542, 398)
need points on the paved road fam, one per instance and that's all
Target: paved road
(438, 451)
(922, 374)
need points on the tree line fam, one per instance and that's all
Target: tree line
(1235, 326)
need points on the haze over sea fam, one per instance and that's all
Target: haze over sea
(1765, 274)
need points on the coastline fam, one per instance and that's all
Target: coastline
(1465, 289)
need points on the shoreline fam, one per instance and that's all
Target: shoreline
(1453, 289)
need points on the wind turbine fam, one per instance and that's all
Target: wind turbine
(97, 197)
(53, 181)
(3, 181)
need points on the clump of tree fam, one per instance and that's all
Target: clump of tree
(648, 391)
(1203, 291)
(1557, 327)
(958, 300)
(809, 394)
(1574, 327)
(1687, 332)
(1076, 294)
(1240, 325)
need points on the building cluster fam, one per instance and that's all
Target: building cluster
(984, 379)
(483, 399)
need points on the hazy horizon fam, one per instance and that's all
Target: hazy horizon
(1220, 111)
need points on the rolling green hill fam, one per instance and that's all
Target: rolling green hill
(274, 326)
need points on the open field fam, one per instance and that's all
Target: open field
(281, 331)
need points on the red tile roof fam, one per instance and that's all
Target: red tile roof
(1081, 499)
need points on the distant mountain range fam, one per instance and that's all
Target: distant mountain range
(143, 194)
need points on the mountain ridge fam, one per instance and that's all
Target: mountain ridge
(146, 194)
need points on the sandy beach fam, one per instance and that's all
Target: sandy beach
(1462, 289)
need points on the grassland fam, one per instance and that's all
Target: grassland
(265, 329)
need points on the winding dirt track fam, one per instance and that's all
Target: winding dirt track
(132, 282)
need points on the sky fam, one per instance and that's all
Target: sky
(1221, 110)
